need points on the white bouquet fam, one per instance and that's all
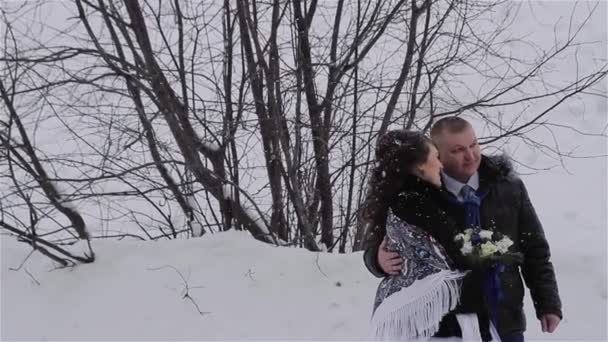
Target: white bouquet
(486, 244)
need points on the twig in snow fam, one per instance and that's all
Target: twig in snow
(187, 287)
(23, 262)
(34, 280)
(31, 276)
(319, 266)
(250, 273)
(187, 295)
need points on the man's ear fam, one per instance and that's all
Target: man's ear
(437, 141)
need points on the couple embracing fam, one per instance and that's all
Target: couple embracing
(452, 232)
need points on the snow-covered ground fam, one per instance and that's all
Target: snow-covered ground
(246, 290)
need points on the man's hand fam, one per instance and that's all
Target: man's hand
(390, 262)
(549, 322)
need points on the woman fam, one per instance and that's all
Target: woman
(405, 196)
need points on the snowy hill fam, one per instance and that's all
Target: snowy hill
(244, 289)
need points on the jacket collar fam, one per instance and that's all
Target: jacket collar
(493, 169)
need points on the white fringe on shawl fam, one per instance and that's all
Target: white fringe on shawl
(415, 311)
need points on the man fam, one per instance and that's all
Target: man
(505, 207)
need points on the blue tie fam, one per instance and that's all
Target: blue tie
(492, 285)
(467, 193)
(471, 203)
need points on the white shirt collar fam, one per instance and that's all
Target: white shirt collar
(454, 186)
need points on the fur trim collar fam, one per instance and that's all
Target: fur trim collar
(497, 167)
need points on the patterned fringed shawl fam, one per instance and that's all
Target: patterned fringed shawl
(411, 305)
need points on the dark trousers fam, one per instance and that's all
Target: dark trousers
(516, 337)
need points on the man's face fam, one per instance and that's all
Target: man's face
(459, 153)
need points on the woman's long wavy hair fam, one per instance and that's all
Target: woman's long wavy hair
(398, 153)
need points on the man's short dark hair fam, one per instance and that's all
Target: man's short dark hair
(453, 124)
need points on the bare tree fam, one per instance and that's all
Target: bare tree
(20, 153)
(185, 118)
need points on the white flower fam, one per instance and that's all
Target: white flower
(488, 249)
(504, 244)
(459, 237)
(467, 248)
(486, 234)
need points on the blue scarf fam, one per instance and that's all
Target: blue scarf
(492, 289)
(411, 305)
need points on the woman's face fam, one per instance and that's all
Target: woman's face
(430, 170)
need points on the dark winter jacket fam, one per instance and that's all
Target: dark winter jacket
(507, 209)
